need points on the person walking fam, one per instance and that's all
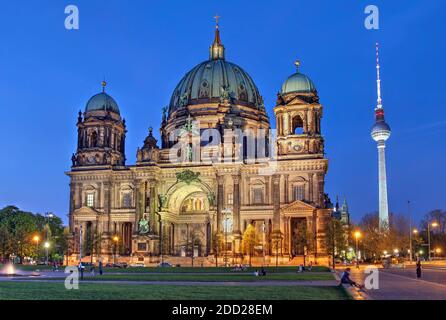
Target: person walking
(81, 270)
(419, 269)
(100, 268)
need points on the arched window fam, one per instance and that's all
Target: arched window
(298, 125)
(94, 139)
(298, 192)
(127, 200)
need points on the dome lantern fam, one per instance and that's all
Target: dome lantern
(217, 49)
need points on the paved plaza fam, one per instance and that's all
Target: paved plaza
(402, 284)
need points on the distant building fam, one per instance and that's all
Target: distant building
(342, 212)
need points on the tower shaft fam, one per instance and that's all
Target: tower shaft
(383, 204)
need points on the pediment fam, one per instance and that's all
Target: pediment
(86, 211)
(296, 101)
(298, 206)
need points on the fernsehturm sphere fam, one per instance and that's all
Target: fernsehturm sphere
(381, 133)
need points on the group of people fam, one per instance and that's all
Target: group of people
(237, 268)
(301, 268)
(261, 273)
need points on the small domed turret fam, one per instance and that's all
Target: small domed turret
(298, 83)
(102, 102)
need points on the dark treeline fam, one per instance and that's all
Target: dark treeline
(24, 234)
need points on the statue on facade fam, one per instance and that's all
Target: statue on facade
(163, 201)
(144, 227)
(211, 198)
(184, 99)
(164, 110)
(280, 100)
(224, 94)
(74, 160)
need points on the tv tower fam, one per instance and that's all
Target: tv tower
(381, 133)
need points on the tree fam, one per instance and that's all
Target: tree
(437, 233)
(17, 229)
(376, 241)
(336, 237)
(249, 241)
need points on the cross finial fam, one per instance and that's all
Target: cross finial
(104, 84)
(217, 18)
(297, 64)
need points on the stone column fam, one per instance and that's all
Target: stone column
(286, 191)
(286, 122)
(72, 205)
(153, 218)
(107, 203)
(140, 203)
(220, 202)
(236, 204)
(276, 203)
(236, 214)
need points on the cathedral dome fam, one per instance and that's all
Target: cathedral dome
(298, 83)
(102, 101)
(215, 79)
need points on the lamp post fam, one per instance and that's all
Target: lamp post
(36, 239)
(410, 232)
(80, 244)
(357, 236)
(263, 240)
(226, 212)
(115, 240)
(437, 251)
(434, 225)
(48, 216)
(47, 246)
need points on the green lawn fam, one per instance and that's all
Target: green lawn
(209, 270)
(209, 277)
(57, 291)
(181, 269)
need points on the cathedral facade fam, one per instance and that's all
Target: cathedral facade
(221, 183)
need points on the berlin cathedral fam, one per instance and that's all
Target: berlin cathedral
(198, 192)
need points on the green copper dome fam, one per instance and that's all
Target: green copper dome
(298, 83)
(102, 101)
(209, 81)
(216, 80)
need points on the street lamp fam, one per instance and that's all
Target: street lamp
(437, 251)
(36, 239)
(357, 236)
(47, 246)
(48, 216)
(115, 240)
(434, 225)
(227, 212)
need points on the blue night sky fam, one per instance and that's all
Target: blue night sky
(143, 48)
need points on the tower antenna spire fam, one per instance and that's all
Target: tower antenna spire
(378, 79)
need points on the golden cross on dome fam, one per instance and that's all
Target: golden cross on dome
(104, 84)
(217, 18)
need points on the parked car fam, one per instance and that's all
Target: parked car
(165, 265)
(137, 265)
(117, 265)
